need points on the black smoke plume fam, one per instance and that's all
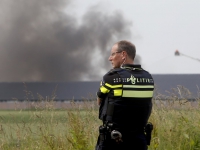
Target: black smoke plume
(41, 41)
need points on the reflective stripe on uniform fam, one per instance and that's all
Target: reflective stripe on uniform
(104, 90)
(138, 94)
(113, 86)
(117, 92)
(138, 86)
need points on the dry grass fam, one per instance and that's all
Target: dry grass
(176, 123)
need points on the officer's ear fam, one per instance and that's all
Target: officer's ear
(123, 55)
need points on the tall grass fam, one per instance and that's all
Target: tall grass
(49, 128)
(176, 123)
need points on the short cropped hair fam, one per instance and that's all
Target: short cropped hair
(128, 47)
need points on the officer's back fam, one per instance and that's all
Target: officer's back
(124, 97)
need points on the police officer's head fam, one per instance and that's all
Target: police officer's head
(122, 52)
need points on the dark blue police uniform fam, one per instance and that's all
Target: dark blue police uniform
(126, 106)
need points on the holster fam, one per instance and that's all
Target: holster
(101, 142)
(101, 145)
(148, 130)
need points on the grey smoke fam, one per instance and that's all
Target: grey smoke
(39, 41)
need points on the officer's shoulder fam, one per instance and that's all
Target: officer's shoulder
(114, 71)
(146, 72)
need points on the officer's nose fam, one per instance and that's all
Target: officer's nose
(110, 58)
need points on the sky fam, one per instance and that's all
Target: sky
(159, 28)
(70, 40)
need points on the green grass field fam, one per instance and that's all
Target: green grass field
(46, 129)
(176, 127)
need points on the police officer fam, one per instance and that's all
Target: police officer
(125, 100)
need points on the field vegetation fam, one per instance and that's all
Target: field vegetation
(175, 117)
